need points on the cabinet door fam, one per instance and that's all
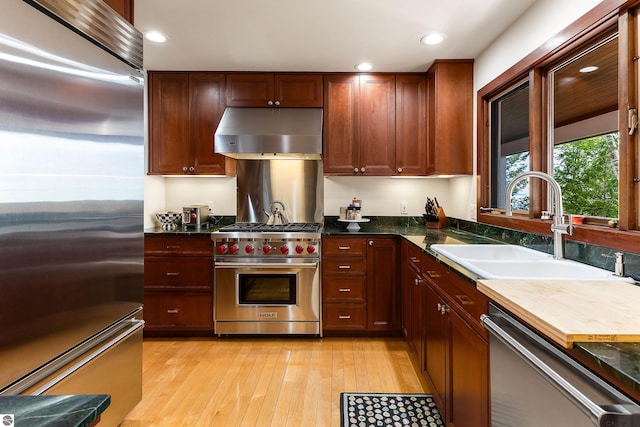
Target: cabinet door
(123, 7)
(469, 398)
(411, 125)
(383, 292)
(168, 123)
(341, 132)
(207, 104)
(450, 117)
(377, 146)
(436, 334)
(250, 90)
(298, 90)
(416, 295)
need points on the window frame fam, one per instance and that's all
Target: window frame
(608, 17)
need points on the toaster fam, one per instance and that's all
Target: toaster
(195, 215)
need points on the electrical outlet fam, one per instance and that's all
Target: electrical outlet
(210, 204)
(403, 208)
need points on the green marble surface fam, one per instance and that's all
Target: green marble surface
(68, 411)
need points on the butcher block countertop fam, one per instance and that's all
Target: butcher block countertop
(568, 311)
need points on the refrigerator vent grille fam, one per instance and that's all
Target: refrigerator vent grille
(97, 22)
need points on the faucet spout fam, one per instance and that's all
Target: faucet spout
(559, 227)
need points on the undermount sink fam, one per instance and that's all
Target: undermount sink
(517, 262)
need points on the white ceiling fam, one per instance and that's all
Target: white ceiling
(318, 35)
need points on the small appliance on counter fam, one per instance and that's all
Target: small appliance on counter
(195, 215)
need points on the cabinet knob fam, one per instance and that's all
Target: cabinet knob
(444, 309)
(370, 242)
(399, 170)
(269, 102)
(356, 170)
(185, 169)
(277, 102)
(417, 281)
(191, 169)
(362, 170)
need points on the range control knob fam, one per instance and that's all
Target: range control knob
(248, 249)
(233, 249)
(222, 249)
(284, 249)
(299, 249)
(266, 249)
(311, 249)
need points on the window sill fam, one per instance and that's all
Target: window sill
(613, 238)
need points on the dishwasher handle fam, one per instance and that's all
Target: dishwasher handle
(623, 415)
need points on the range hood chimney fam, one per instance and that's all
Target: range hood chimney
(270, 133)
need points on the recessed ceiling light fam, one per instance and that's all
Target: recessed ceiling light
(589, 69)
(363, 66)
(156, 36)
(432, 38)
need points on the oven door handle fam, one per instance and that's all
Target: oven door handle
(265, 265)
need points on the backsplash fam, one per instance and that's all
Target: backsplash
(588, 254)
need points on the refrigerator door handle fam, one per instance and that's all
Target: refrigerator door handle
(590, 408)
(135, 326)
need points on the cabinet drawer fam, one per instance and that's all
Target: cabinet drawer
(344, 246)
(181, 311)
(178, 272)
(346, 266)
(178, 245)
(459, 292)
(341, 289)
(345, 316)
(414, 256)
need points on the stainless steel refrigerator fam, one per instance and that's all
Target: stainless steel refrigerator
(71, 202)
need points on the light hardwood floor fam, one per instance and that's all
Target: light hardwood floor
(265, 381)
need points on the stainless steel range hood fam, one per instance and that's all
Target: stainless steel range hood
(270, 133)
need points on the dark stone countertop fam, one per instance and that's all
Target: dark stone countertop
(618, 360)
(68, 411)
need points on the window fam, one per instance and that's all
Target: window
(564, 110)
(584, 139)
(509, 130)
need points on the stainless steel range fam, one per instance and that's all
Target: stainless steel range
(267, 279)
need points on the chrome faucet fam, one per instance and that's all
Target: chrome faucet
(559, 227)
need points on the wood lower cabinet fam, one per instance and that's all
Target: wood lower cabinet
(274, 90)
(185, 109)
(178, 285)
(441, 317)
(360, 284)
(456, 348)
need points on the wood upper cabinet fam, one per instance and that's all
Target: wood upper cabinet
(359, 124)
(184, 112)
(274, 90)
(123, 7)
(411, 125)
(450, 117)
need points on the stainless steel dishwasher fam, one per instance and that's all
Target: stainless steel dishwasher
(534, 383)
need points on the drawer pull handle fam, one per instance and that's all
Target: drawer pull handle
(344, 316)
(433, 274)
(344, 248)
(169, 273)
(465, 300)
(345, 289)
(173, 311)
(173, 247)
(344, 267)
(415, 260)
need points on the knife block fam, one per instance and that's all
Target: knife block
(442, 220)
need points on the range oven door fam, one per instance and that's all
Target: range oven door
(263, 293)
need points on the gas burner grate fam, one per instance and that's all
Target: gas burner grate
(261, 227)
